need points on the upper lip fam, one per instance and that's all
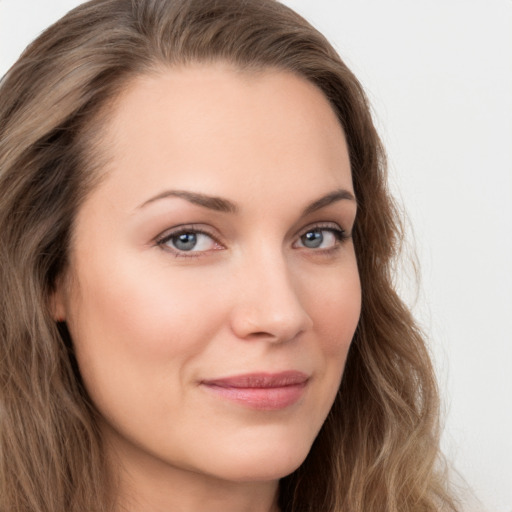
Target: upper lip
(260, 380)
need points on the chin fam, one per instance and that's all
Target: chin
(261, 463)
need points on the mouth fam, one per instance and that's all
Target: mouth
(261, 391)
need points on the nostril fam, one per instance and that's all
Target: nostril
(260, 334)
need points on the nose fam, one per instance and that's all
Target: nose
(267, 305)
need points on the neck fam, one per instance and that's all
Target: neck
(177, 491)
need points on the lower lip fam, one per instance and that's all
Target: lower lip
(263, 399)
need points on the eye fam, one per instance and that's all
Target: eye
(188, 240)
(321, 238)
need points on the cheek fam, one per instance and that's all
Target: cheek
(334, 304)
(148, 313)
(136, 333)
(333, 301)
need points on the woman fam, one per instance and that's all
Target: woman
(192, 316)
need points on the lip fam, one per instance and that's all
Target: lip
(261, 391)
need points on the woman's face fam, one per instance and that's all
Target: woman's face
(213, 291)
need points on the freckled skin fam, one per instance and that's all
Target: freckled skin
(150, 323)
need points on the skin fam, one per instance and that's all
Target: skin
(151, 323)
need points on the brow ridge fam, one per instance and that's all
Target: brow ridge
(225, 205)
(218, 204)
(328, 199)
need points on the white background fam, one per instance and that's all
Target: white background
(439, 76)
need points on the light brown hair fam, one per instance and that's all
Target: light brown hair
(379, 447)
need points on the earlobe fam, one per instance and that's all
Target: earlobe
(57, 301)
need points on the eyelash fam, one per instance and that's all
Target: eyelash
(340, 234)
(162, 241)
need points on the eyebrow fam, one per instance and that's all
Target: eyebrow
(328, 199)
(211, 202)
(220, 204)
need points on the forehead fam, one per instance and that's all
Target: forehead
(212, 127)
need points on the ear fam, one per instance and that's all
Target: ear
(57, 301)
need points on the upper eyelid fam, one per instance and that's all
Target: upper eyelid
(320, 225)
(184, 228)
(208, 231)
(341, 233)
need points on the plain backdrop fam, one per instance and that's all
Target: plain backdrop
(439, 77)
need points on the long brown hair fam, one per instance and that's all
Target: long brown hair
(379, 447)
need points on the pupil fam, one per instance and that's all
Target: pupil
(313, 239)
(185, 241)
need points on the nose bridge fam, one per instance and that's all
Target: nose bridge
(268, 304)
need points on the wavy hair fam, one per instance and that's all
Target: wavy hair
(379, 447)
